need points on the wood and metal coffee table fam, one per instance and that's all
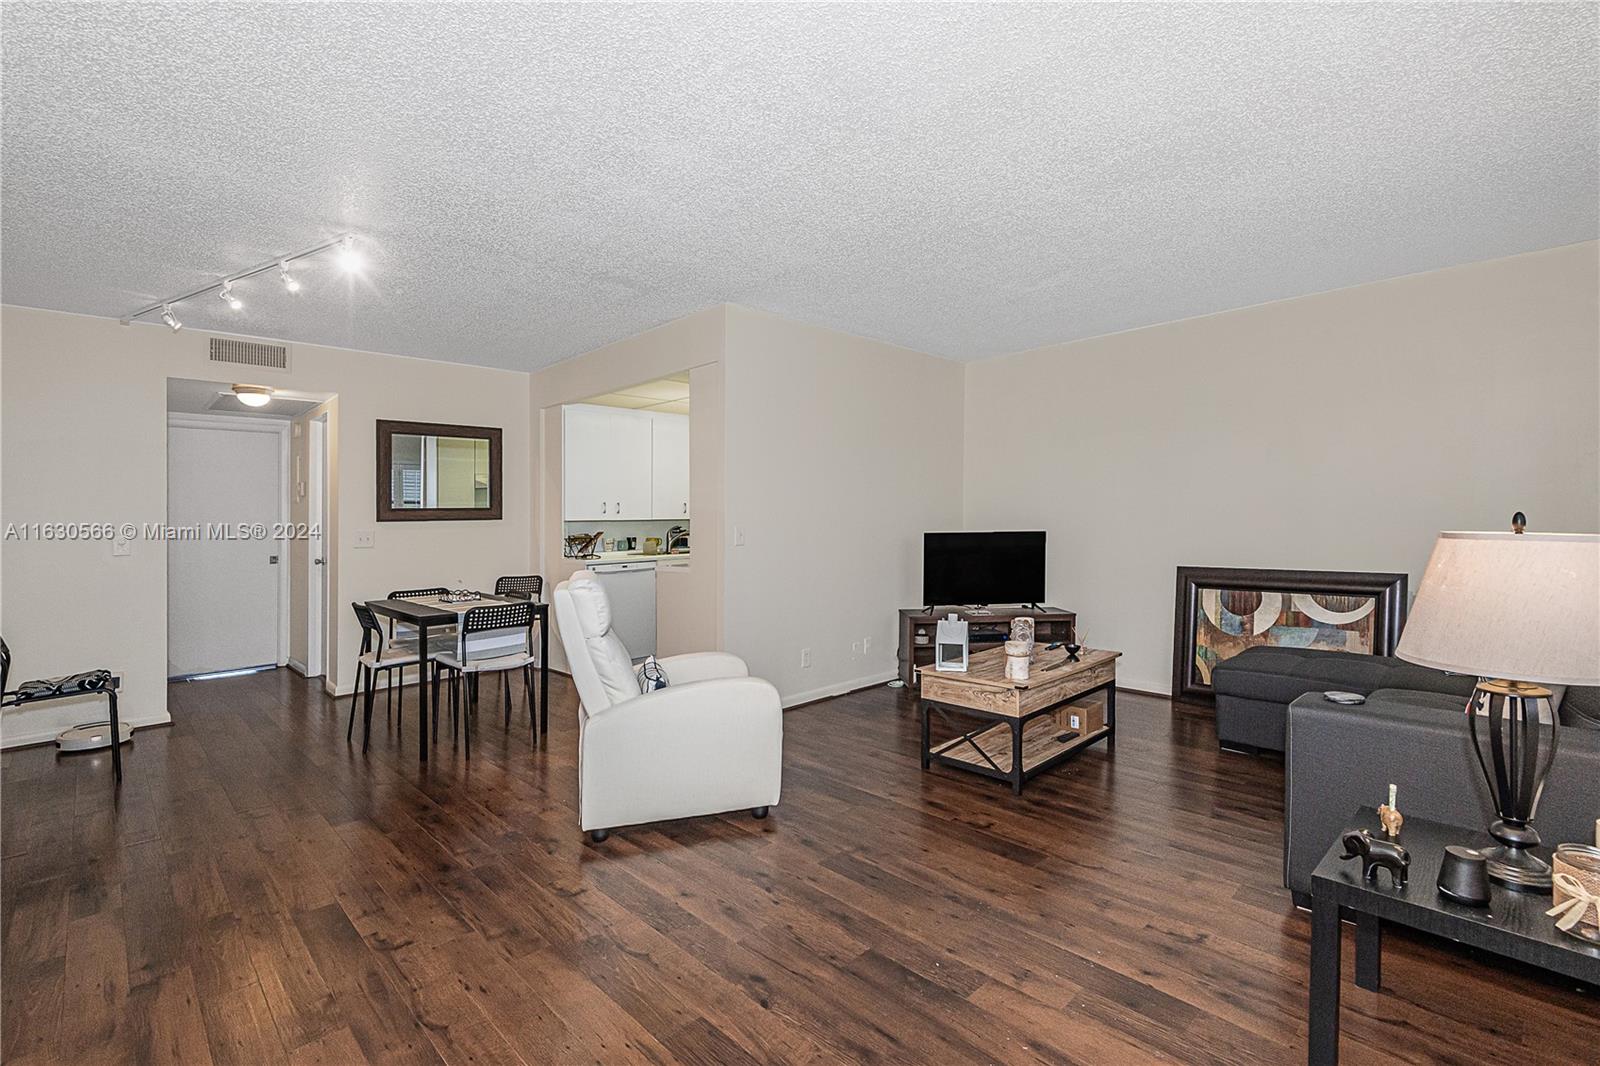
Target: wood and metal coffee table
(1026, 725)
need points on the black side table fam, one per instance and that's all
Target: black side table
(1513, 925)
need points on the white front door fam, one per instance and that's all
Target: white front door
(222, 587)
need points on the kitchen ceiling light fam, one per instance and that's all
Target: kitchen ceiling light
(289, 283)
(253, 395)
(227, 296)
(169, 318)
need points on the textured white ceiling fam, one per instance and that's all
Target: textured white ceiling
(533, 182)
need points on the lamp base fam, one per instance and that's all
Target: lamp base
(1514, 767)
(1518, 869)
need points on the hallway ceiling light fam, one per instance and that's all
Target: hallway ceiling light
(253, 395)
(349, 259)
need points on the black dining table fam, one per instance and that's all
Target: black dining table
(426, 612)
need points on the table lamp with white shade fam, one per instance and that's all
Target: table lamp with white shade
(1521, 612)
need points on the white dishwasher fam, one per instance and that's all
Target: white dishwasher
(631, 588)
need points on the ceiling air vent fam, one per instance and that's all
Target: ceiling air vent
(250, 353)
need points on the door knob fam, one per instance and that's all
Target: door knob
(316, 562)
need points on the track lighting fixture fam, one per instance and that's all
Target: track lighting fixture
(344, 245)
(349, 258)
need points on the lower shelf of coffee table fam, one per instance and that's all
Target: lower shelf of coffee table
(1039, 744)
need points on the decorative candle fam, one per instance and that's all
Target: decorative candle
(1391, 794)
(1017, 660)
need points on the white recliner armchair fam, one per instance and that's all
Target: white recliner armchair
(712, 741)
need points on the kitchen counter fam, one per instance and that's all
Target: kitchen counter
(637, 557)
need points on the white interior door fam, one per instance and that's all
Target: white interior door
(222, 590)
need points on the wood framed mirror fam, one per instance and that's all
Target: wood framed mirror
(437, 472)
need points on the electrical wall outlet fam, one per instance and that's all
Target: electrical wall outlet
(363, 538)
(122, 546)
(805, 658)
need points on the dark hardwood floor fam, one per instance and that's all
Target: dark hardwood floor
(261, 892)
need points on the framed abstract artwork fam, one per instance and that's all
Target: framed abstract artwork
(1221, 611)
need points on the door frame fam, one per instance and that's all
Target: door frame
(239, 424)
(317, 577)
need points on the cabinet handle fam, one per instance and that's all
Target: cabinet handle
(686, 508)
(602, 507)
(619, 506)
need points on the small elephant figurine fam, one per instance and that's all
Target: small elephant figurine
(1377, 854)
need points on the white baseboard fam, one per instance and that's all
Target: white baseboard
(11, 739)
(838, 688)
(298, 667)
(1149, 686)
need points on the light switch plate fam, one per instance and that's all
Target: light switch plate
(122, 546)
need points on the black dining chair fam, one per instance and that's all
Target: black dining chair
(404, 635)
(478, 657)
(520, 586)
(60, 688)
(378, 654)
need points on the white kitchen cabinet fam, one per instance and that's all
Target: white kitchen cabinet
(631, 473)
(606, 463)
(669, 493)
(585, 460)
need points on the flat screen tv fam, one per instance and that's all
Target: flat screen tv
(960, 569)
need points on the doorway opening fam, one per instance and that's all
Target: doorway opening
(229, 529)
(625, 502)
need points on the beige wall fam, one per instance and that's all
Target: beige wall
(830, 453)
(841, 452)
(1338, 431)
(84, 417)
(693, 620)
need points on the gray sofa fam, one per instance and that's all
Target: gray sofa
(1339, 758)
(1254, 688)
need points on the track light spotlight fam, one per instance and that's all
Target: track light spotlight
(289, 282)
(227, 296)
(349, 258)
(170, 319)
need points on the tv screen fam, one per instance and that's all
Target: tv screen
(979, 568)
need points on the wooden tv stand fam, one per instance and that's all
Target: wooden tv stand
(984, 629)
